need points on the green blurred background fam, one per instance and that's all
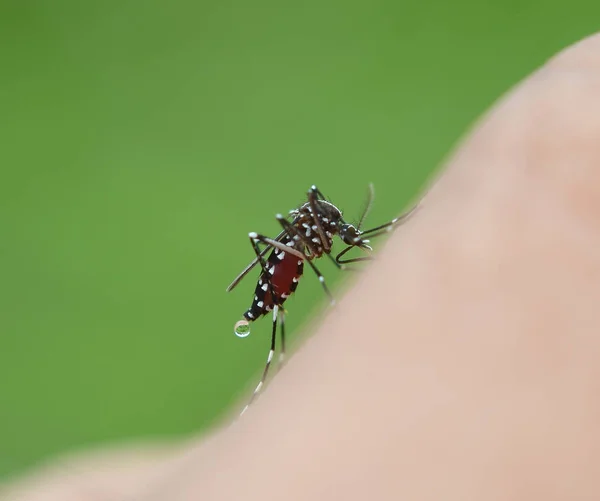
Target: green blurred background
(142, 140)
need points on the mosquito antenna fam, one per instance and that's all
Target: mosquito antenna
(369, 204)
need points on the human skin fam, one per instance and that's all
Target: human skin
(462, 365)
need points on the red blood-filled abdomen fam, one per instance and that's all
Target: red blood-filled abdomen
(286, 271)
(283, 274)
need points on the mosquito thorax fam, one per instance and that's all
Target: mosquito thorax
(326, 212)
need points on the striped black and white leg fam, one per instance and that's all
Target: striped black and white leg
(254, 239)
(391, 225)
(282, 331)
(257, 237)
(313, 195)
(322, 281)
(268, 364)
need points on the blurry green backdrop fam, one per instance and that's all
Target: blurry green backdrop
(142, 140)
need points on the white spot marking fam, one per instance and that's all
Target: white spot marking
(281, 256)
(315, 240)
(253, 235)
(265, 287)
(322, 279)
(299, 262)
(278, 216)
(250, 315)
(314, 227)
(272, 270)
(325, 220)
(260, 304)
(295, 280)
(290, 244)
(270, 357)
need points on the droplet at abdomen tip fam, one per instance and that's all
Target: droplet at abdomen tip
(242, 328)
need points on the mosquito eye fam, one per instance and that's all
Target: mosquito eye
(242, 328)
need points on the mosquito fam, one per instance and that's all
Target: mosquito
(303, 239)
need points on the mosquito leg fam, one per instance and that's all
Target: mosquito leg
(268, 364)
(318, 192)
(374, 232)
(389, 226)
(352, 260)
(277, 245)
(339, 265)
(259, 254)
(322, 280)
(282, 331)
(313, 193)
(248, 268)
(356, 260)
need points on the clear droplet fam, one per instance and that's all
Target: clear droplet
(242, 328)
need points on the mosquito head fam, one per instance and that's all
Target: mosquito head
(351, 235)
